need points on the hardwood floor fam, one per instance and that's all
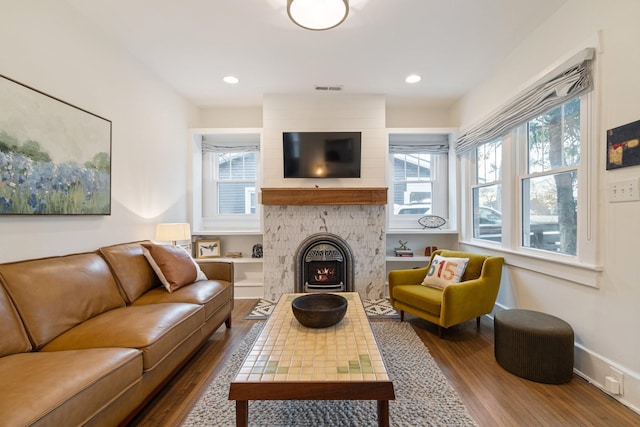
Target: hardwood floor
(493, 396)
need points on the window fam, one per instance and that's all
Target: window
(487, 192)
(412, 183)
(418, 177)
(543, 192)
(226, 176)
(550, 184)
(231, 180)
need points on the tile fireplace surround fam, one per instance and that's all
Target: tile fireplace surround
(362, 226)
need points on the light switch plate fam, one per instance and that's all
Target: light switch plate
(624, 191)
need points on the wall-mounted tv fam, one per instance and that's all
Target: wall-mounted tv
(321, 154)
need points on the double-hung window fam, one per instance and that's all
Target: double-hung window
(550, 180)
(418, 177)
(229, 178)
(487, 192)
(528, 182)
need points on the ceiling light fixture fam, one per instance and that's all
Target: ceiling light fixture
(318, 15)
(413, 78)
(230, 79)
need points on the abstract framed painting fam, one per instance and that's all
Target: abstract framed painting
(55, 158)
(623, 146)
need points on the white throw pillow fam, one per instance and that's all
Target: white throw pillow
(444, 271)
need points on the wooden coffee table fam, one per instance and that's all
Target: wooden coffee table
(292, 362)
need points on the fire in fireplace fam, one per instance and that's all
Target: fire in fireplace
(324, 264)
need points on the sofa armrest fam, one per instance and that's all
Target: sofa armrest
(217, 270)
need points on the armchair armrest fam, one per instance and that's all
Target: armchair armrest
(472, 298)
(412, 276)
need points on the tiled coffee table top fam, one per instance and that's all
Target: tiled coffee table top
(288, 351)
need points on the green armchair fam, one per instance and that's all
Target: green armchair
(474, 296)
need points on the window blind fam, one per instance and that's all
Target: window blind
(231, 143)
(407, 143)
(567, 81)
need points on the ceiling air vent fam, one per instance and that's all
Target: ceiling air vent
(335, 88)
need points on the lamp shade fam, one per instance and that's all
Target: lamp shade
(171, 232)
(318, 14)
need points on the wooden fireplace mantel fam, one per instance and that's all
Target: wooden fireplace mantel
(324, 196)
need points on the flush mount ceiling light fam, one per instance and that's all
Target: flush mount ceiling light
(318, 15)
(230, 79)
(413, 78)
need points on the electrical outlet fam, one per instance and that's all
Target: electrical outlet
(624, 191)
(614, 381)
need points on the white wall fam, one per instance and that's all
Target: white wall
(604, 319)
(321, 112)
(46, 45)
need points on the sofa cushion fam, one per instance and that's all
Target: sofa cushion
(444, 271)
(131, 269)
(212, 294)
(52, 295)
(155, 329)
(14, 337)
(67, 387)
(422, 297)
(173, 265)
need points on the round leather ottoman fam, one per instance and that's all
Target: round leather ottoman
(534, 345)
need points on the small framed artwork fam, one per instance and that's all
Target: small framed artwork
(208, 248)
(623, 146)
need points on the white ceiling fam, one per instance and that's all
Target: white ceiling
(193, 44)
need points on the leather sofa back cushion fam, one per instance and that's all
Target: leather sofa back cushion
(131, 269)
(55, 294)
(14, 337)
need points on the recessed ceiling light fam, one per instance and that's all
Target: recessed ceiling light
(413, 78)
(231, 80)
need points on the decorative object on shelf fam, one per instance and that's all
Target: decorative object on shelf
(432, 221)
(403, 250)
(319, 310)
(318, 15)
(55, 157)
(429, 250)
(234, 255)
(208, 248)
(256, 252)
(173, 232)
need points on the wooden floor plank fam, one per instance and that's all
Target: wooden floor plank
(493, 396)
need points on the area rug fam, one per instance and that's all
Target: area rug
(375, 308)
(424, 397)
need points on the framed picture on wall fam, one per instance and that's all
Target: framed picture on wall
(208, 248)
(623, 146)
(55, 158)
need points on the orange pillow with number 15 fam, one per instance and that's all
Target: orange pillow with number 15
(444, 271)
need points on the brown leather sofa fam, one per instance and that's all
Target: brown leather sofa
(89, 338)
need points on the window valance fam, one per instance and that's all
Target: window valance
(407, 143)
(231, 143)
(567, 81)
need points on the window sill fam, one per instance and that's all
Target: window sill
(580, 273)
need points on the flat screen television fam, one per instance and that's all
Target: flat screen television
(321, 154)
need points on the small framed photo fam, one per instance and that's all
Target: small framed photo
(208, 248)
